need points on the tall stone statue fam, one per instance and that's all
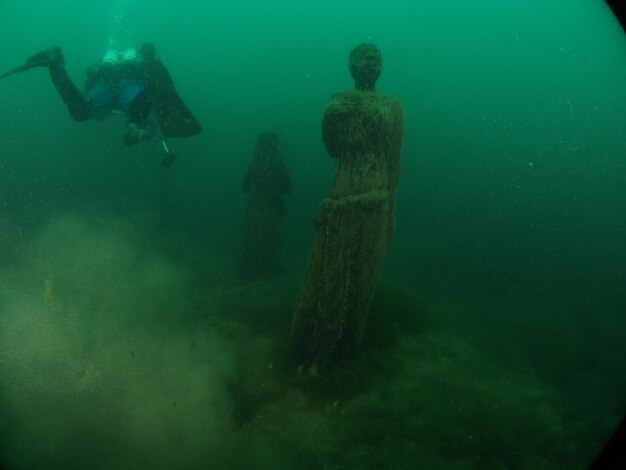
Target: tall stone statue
(266, 182)
(362, 131)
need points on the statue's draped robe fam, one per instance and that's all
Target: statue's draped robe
(363, 131)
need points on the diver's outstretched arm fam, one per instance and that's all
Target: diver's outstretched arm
(174, 117)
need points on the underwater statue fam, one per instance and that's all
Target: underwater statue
(266, 182)
(362, 131)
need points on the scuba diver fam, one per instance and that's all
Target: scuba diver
(132, 82)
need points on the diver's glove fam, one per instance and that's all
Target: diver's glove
(137, 133)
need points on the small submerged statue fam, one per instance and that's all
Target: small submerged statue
(266, 182)
(362, 130)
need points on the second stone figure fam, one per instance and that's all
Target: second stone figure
(266, 182)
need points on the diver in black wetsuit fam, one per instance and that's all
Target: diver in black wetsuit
(135, 83)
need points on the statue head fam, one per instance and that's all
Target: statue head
(366, 63)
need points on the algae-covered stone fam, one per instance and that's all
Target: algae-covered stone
(362, 130)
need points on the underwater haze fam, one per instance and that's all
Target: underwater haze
(497, 333)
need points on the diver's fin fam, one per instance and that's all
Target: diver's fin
(19, 69)
(44, 58)
(174, 117)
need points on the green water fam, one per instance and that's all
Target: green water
(498, 331)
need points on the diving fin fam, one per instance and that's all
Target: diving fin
(173, 116)
(44, 58)
(19, 69)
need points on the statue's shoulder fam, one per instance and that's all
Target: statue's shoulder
(343, 102)
(344, 98)
(343, 95)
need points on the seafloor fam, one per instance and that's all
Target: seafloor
(118, 351)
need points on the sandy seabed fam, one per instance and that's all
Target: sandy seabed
(114, 354)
